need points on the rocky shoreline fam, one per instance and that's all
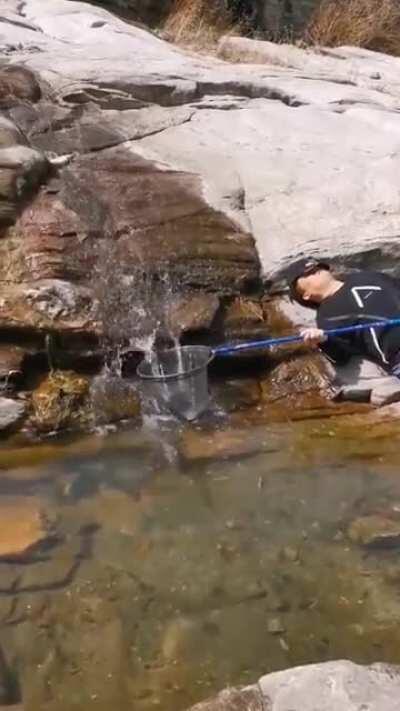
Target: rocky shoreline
(208, 169)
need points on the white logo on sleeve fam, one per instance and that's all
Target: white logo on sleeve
(358, 292)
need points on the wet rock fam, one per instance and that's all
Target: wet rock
(47, 305)
(333, 686)
(11, 363)
(248, 699)
(113, 399)
(238, 394)
(24, 528)
(58, 401)
(301, 387)
(297, 376)
(193, 312)
(244, 318)
(375, 532)
(12, 413)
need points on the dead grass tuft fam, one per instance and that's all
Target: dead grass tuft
(199, 23)
(372, 24)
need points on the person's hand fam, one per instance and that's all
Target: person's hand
(313, 336)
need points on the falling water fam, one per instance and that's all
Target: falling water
(133, 307)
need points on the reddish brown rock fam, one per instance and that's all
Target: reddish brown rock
(244, 317)
(46, 305)
(24, 527)
(47, 260)
(193, 312)
(310, 373)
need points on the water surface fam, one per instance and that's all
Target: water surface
(169, 579)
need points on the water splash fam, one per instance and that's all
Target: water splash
(133, 308)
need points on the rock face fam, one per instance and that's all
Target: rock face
(229, 150)
(221, 170)
(333, 686)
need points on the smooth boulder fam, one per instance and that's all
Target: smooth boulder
(331, 686)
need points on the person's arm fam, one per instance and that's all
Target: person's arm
(336, 349)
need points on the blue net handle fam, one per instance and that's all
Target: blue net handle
(330, 333)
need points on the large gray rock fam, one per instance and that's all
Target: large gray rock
(11, 413)
(332, 686)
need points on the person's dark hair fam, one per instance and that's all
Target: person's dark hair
(294, 294)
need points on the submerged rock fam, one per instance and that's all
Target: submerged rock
(197, 446)
(24, 528)
(375, 531)
(238, 394)
(113, 399)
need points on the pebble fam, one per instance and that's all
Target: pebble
(232, 525)
(275, 626)
(290, 554)
(284, 644)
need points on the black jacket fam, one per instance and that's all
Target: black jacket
(365, 296)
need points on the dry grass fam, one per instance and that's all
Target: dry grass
(372, 24)
(199, 23)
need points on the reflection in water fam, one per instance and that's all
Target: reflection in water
(166, 578)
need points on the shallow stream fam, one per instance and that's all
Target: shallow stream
(183, 560)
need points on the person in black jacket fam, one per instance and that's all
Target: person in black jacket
(361, 297)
